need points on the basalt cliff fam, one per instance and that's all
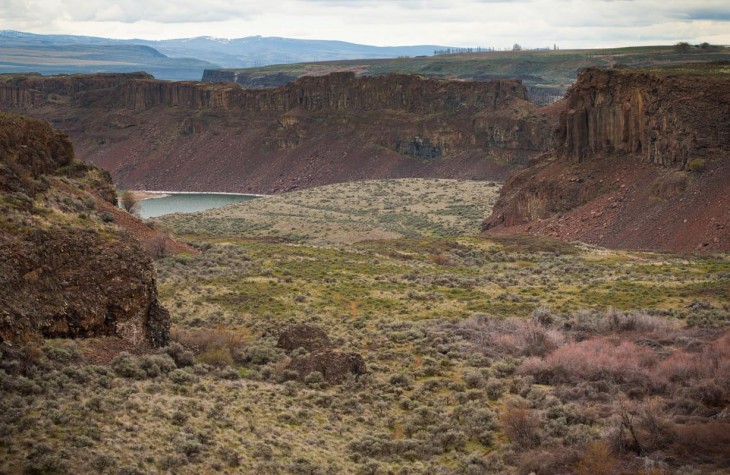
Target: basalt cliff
(160, 135)
(642, 161)
(67, 269)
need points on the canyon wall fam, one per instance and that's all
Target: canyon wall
(318, 130)
(66, 269)
(334, 93)
(667, 120)
(642, 160)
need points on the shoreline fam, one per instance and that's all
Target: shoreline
(151, 195)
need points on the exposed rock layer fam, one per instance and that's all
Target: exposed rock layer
(318, 130)
(64, 270)
(667, 120)
(643, 161)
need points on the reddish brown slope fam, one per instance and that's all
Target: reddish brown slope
(627, 172)
(194, 136)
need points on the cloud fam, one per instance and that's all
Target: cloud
(497, 23)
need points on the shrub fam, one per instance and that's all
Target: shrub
(476, 420)
(400, 379)
(521, 425)
(597, 459)
(180, 376)
(179, 354)
(594, 359)
(707, 442)
(494, 389)
(474, 379)
(61, 353)
(696, 165)
(511, 336)
(218, 357)
(315, 378)
(129, 202)
(155, 365)
(613, 321)
(206, 338)
(542, 316)
(125, 366)
(260, 354)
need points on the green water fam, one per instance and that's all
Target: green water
(187, 203)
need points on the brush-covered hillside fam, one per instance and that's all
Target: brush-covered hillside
(401, 345)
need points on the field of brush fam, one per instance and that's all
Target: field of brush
(497, 354)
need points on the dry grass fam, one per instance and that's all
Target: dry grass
(351, 212)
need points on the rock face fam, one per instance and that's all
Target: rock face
(667, 120)
(318, 130)
(64, 270)
(643, 161)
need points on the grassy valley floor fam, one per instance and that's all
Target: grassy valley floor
(505, 354)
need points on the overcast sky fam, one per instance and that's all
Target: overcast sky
(496, 23)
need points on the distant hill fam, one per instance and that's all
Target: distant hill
(261, 51)
(177, 59)
(64, 54)
(547, 74)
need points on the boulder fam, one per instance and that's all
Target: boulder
(309, 337)
(335, 366)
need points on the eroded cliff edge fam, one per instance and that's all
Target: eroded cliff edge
(642, 161)
(66, 270)
(318, 130)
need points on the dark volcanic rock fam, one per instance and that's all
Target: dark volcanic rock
(305, 336)
(335, 366)
(64, 271)
(191, 136)
(667, 120)
(643, 161)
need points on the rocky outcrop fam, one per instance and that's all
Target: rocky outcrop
(334, 92)
(65, 271)
(34, 90)
(667, 120)
(643, 161)
(318, 130)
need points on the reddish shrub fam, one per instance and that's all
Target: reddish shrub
(521, 424)
(685, 367)
(594, 359)
(681, 366)
(513, 336)
(203, 340)
(598, 459)
(703, 443)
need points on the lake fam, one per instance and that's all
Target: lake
(187, 203)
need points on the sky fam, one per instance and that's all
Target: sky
(486, 23)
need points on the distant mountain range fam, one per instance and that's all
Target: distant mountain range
(179, 59)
